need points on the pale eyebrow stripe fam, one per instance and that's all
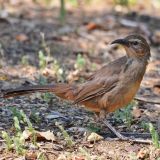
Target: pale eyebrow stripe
(138, 40)
(133, 40)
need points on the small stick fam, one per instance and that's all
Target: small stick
(143, 99)
(138, 140)
(134, 140)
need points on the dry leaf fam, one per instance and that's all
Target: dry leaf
(91, 26)
(21, 37)
(136, 112)
(3, 77)
(73, 76)
(48, 135)
(142, 154)
(94, 137)
(31, 155)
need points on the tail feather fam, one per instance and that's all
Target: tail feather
(65, 91)
(26, 90)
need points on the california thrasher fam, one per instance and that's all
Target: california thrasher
(108, 89)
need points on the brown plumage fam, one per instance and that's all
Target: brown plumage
(109, 88)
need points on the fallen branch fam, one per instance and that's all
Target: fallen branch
(128, 134)
(136, 140)
(131, 137)
(143, 99)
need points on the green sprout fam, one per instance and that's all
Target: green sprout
(125, 114)
(155, 136)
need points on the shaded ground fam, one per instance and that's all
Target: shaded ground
(21, 40)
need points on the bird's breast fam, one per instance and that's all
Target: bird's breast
(122, 96)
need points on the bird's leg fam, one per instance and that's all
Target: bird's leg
(102, 116)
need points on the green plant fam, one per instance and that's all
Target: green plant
(42, 80)
(155, 136)
(35, 117)
(132, 156)
(20, 117)
(80, 62)
(43, 54)
(24, 60)
(41, 156)
(122, 2)
(125, 2)
(42, 60)
(16, 113)
(93, 128)
(62, 11)
(8, 140)
(30, 128)
(144, 125)
(73, 2)
(17, 124)
(17, 140)
(85, 153)
(93, 67)
(66, 136)
(47, 97)
(125, 114)
(58, 71)
(44, 45)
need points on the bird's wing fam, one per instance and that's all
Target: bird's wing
(101, 81)
(110, 69)
(95, 88)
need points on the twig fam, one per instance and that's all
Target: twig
(130, 137)
(135, 140)
(143, 99)
(1, 140)
(129, 134)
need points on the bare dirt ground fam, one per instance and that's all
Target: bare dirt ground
(87, 33)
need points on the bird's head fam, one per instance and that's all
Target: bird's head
(135, 45)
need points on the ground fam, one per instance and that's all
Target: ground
(35, 47)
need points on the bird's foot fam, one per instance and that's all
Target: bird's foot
(113, 130)
(101, 117)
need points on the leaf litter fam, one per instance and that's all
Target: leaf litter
(66, 43)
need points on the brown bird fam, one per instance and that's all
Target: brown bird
(108, 89)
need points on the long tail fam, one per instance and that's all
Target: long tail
(65, 91)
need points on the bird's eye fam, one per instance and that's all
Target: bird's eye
(135, 43)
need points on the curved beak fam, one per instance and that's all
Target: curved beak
(121, 41)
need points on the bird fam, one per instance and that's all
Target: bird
(109, 88)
